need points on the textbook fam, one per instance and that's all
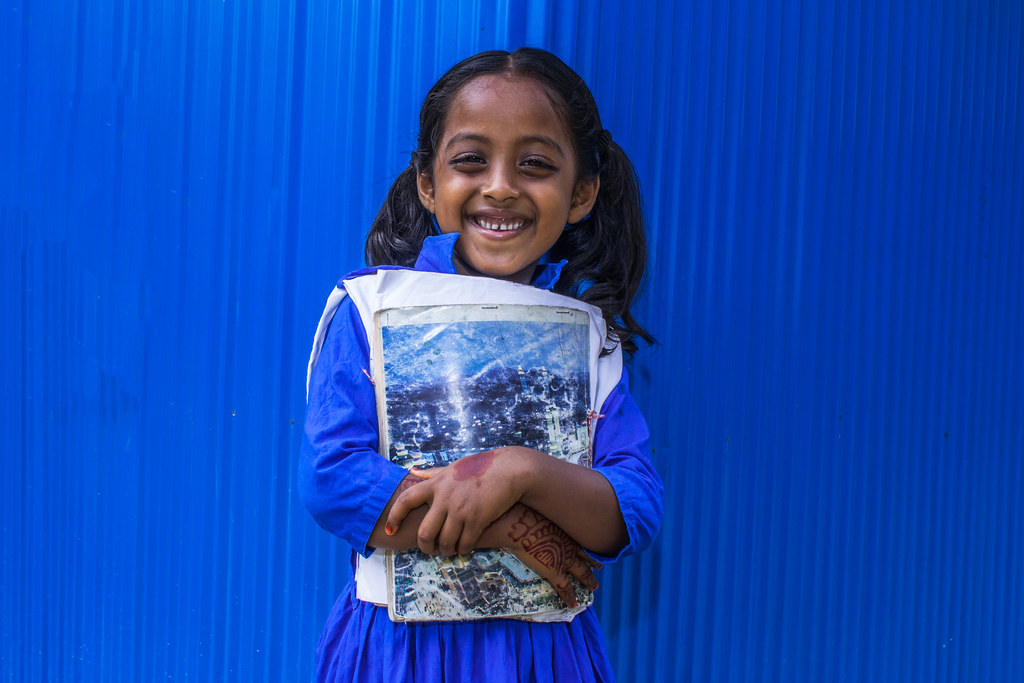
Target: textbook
(453, 380)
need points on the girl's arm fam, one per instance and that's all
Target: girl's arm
(613, 508)
(466, 496)
(538, 542)
(342, 478)
(349, 487)
(580, 499)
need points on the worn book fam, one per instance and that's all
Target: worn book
(453, 380)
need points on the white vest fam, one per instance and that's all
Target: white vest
(398, 288)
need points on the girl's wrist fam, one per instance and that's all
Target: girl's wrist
(523, 470)
(498, 534)
(536, 473)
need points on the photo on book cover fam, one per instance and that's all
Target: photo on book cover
(454, 380)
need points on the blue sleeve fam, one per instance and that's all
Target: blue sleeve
(622, 455)
(343, 480)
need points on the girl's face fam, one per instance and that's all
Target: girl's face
(504, 177)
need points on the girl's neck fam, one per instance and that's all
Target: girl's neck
(463, 267)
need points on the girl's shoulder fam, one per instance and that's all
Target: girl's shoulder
(369, 270)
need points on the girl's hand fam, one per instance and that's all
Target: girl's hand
(545, 548)
(464, 499)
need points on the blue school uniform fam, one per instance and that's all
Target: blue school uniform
(346, 484)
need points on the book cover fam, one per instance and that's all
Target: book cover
(453, 380)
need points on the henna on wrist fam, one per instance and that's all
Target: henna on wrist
(541, 538)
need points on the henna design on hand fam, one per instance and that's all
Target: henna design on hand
(547, 549)
(544, 540)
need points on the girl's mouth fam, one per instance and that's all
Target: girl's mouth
(499, 224)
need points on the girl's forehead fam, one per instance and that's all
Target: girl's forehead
(503, 102)
(504, 84)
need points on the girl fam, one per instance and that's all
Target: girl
(513, 178)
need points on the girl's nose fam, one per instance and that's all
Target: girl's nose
(500, 184)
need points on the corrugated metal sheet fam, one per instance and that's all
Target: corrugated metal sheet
(835, 191)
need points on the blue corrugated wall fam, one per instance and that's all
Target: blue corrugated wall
(836, 198)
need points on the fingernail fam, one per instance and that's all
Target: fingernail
(388, 530)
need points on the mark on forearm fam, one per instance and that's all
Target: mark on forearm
(473, 466)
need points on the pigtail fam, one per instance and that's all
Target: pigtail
(607, 251)
(401, 225)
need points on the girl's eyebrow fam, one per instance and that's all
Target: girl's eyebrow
(544, 140)
(460, 137)
(527, 139)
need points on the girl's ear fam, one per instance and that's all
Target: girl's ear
(583, 198)
(425, 190)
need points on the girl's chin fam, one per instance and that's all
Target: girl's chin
(499, 271)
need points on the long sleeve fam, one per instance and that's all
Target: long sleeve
(622, 455)
(343, 480)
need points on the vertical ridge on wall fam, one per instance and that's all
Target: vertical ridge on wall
(834, 205)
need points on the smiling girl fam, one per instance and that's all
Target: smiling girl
(513, 178)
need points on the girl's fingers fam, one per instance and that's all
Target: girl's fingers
(470, 537)
(558, 576)
(407, 501)
(555, 574)
(582, 571)
(424, 474)
(430, 527)
(449, 536)
(560, 581)
(591, 562)
(566, 592)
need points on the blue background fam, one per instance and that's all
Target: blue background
(836, 200)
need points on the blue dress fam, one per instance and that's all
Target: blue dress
(346, 485)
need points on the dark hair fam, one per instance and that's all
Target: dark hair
(606, 251)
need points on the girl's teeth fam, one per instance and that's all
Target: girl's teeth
(491, 225)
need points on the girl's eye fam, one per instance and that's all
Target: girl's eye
(468, 160)
(536, 163)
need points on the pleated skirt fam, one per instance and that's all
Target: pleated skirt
(360, 643)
